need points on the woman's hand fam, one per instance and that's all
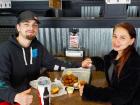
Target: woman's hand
(81, 87)
(87, 63)
(24, 98)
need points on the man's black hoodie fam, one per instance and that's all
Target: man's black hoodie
(18, 66)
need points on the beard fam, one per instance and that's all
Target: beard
(29, 37)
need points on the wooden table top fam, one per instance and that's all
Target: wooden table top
(75, 99)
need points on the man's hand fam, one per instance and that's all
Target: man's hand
(87, 63)
(24, 98)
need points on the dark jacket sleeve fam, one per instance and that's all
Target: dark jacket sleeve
(7, 93)
(91, 92)
(50, 62)
(98, 62)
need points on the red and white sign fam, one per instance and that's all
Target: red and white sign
(74, 41)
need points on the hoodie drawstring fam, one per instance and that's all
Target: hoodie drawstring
(24, 56)
(31, 56)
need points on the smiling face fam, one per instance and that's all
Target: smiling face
(28, 29)
(121, 39)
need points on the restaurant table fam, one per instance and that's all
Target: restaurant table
(98, 79)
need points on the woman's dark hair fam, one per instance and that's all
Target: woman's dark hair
(126, 53)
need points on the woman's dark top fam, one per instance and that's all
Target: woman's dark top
(122, 90)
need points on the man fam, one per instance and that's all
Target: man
(21, 58)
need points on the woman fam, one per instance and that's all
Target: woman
(122, 71)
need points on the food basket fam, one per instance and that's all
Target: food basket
(81, 73)
(61, 87)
